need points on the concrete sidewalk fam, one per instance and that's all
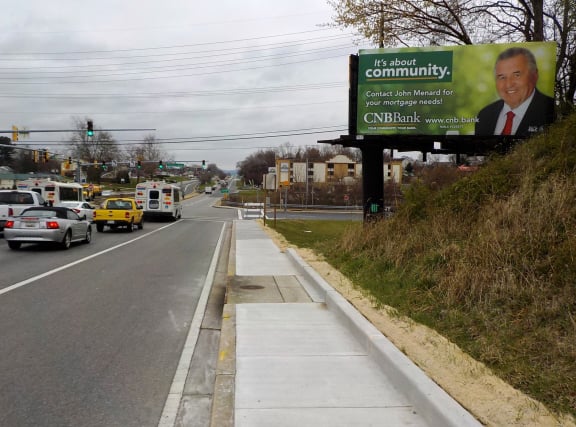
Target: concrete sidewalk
(295, 353)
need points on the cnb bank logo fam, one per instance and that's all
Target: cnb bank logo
(389, 118)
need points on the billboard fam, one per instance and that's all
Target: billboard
(456, 90)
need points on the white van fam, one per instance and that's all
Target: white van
(53, 192)
(159, 199)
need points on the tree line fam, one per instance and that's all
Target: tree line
(99, 148)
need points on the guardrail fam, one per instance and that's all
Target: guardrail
(295, 206)
(253, 210)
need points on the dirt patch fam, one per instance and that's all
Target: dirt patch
(491, 400)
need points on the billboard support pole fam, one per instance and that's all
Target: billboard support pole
(373, 181)
(352, 94)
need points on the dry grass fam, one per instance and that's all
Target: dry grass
(489, 262)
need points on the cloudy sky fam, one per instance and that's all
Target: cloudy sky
(215, 79)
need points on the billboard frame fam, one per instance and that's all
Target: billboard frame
(373, 146)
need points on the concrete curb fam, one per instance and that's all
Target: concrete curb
(437, 406)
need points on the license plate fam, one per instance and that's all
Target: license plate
(110, 222)
(31, 224)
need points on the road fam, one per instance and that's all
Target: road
(92, 336)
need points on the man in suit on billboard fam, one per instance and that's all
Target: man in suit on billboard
(522, 109)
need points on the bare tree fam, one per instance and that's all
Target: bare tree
(253, 167)
(101, 147)
(149, 152)
(6, 152)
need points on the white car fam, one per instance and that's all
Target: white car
(45, 224)
(81, 208)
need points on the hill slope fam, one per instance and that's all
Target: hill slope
(489, 262)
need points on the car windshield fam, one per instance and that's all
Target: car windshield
(16, 198)
(119, 204)
(45, 213)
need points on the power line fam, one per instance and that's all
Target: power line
(177, 76)
(164, 47)
(203, 110)
(211, 52)
(172, 68)
(214, 138)
(210, 93)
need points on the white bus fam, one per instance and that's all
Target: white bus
(159, 199)
(53, 192)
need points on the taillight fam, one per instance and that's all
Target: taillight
(9, 224)
(76, 210)
(126, 214)
(52, 225)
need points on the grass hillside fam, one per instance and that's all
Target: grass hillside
(489, 262)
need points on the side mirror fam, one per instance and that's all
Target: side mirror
(83, 217)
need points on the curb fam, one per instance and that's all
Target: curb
(222, 412)
(437, 406)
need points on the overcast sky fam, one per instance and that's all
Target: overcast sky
(214, 78)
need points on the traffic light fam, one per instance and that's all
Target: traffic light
(89, 128)
(104, 167)
(139, 164)
(160, 165)
(14, 133)
(203, 164)
(69, 160)
(35, 156)
(46, 156)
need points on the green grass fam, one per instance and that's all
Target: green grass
(488, 261)
(311, 234)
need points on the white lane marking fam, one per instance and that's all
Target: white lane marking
(72, 264)
(170, 411)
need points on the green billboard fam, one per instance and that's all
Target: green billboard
(456, 90)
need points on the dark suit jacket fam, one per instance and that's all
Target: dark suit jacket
(540, 112)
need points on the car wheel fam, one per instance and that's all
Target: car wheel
(14, 245)
(131, 226)
(88, 237)
(67, 241)
(99, 228)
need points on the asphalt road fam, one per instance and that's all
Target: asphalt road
(92, 336)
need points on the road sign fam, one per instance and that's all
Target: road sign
(224, 190)
(175, 165)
